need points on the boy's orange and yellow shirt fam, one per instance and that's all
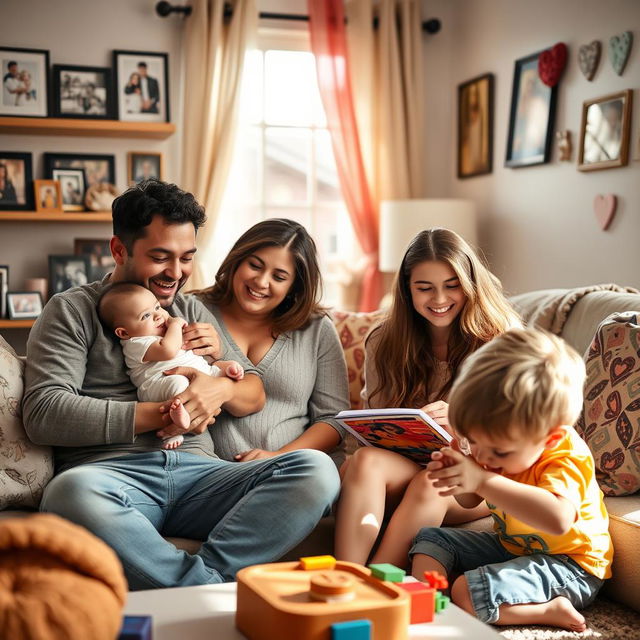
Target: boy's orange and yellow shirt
(567, 470)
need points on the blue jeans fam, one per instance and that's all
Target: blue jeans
(246, 512)
(497, 577)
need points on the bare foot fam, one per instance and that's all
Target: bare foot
(558, 612)
(179, 415)
(173, 442)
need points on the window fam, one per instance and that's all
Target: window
(283, 164)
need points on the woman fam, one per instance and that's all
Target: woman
(7, 190)
(446, 305)
(266, 302)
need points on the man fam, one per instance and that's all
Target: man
(150, 90)
(14, 88)
(112, 475)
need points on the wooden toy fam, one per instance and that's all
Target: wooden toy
(286, 601)
(387, 571)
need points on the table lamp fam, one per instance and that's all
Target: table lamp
(401, 220)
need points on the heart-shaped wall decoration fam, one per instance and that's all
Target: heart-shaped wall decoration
(589, 58)
(619, 50)
(551, 64)
(605, 208)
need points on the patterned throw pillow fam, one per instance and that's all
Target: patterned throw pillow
(25, 468)
(353, 328)
(610, 419)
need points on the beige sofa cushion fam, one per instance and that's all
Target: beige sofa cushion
(25, 468)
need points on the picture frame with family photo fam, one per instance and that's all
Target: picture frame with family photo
(16, 177)
(67, 271)
(142, 85)
(73, 186)
(98, 168)
(48, 196)
(24, 304)
(4, 287)
(98, 251)
(25, 82)
(82, 92)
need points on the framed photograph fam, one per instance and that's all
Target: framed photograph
(533, 108)
(24, 82)
(97, 168)
(48, 196)
(142, 85)
(604, 133)
(67, 271)
(142, 165)
(4, 287)
(24, 304)
(97, 250)
(82, 92)
(16, 192)
(73, 185)
(475, 126)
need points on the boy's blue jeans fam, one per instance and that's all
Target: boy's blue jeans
(246, 512)
(497, 577)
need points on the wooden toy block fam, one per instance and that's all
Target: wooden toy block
(435, 580)
(386, 571)
(422, 601)
(311, 563)
(283, 600)
(442, 602)
(136, 628)
(352, 630)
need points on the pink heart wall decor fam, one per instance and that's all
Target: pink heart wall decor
(551, 64)
(605, 208)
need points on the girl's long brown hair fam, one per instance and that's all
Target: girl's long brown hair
(404, 358)
(302, 302)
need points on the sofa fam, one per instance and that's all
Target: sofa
(574, 314)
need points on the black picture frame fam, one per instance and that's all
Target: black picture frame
(24, 304)
(66, 271)
(531, 117)
(82, 92)
(97, 167)
(98, 250)
(475, 126)
(131, 96)
(17, 193)
(25, 96)
(4, 288)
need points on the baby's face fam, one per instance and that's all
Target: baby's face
(142, 315)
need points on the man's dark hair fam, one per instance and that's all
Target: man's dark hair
(11, 63)
(142, 64)
(136, 207)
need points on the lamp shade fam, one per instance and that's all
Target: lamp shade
(401, 220)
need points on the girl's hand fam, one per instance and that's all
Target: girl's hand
(439, 411)
(254, 454)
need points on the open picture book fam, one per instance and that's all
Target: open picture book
(409, 432)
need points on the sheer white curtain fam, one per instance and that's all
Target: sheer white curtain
(214, 55)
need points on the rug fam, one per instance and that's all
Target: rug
(606, 620)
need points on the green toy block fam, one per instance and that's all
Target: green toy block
(387, 572)
(442, 602)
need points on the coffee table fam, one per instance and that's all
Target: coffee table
(208, 611)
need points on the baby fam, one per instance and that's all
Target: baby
(151, 341)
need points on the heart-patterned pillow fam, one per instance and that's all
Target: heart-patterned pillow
(619, 50)
(610, 419)
(551, 64)
(589, 58)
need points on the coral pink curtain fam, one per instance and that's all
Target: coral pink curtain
(329, 45)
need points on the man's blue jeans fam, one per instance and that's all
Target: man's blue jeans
(246, 512)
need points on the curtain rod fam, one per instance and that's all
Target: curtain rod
(164, 8)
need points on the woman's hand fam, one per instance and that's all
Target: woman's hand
(203, 339)
(254, 454)
(439, 411)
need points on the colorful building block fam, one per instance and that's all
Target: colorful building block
(352, 630)
(136, 628)
(435, 580)
(311, 563)
(442, 602)
(422, 601)
(386, 571)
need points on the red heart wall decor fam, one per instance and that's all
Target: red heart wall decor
(551, 64)
(605, 208)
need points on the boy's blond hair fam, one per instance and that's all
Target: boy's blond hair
(524, 380)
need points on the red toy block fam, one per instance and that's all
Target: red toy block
(435, 580)
(422, 601)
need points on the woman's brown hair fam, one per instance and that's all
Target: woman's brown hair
(404, 357)
(302, 302)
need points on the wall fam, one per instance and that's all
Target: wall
(537, 223)
(82, 32)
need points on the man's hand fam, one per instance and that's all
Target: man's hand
(455, 472)
(203, 339)
(439, 411)
(254, 454)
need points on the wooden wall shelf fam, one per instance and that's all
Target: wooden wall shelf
(17, 324)
(77, 127)
(70, 216)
